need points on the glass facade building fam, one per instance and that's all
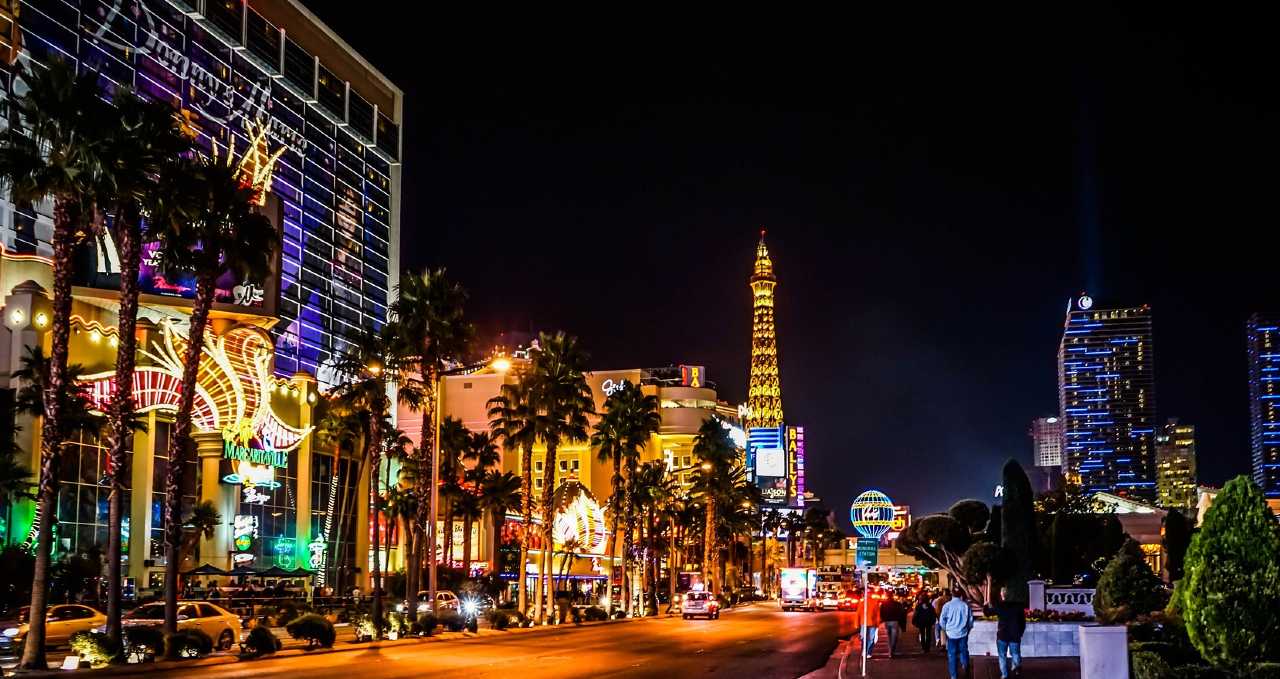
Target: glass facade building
(1046, 442)
(1264, 400)
(1106, 391)
(230, 66)
(1176, 465)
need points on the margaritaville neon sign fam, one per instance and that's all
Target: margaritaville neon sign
(274, 458)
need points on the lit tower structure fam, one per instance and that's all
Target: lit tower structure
(764, 397)
(1264, 400)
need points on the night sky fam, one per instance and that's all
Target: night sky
(935, 189)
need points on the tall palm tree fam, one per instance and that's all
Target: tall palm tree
(429, 314)
(367, 371)
(213, 228)
(338, 431)
(454, 441)
(144, 138)
(500, 492)
(630, 417)
(716, 452)
(483, 452)
(52, 147)
(560, 393)
(652, 488)
(769, 525)
(514, 418)
(201, 523)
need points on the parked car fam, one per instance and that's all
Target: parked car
(700, 603)
(220, 624)
(444, 600)
(61, 621)
(849, 601)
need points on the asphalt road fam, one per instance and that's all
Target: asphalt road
(759, 642)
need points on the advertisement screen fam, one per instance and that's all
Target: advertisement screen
(795, 583)
(768, 456)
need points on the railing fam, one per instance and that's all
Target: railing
(1073, 600)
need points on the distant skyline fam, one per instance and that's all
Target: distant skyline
(934, 197)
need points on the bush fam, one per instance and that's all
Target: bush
(1232, 580)
(424, 625)
(451, 620)
(146, 642)
(260, 642)
(500, 619)
(315, 629)
(398, 623)
(94, 648)
(595, 614)
(187, 643)
(286, 613)
(1266, 670)
(1149, 665)
(1128, 588)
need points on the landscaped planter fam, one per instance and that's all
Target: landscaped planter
(1041, 640)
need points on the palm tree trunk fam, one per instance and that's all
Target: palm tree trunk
(51, 431)
(424, 526)
(375, 457)
(526, 500)
(548, 519)
(628, 543)
(671, 568)
(130, 248)
(448, 531)
(613, 535)
(180, 441)
(709, 548)
(466, 544)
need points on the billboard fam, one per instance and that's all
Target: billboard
(795, 465)
(901, 519)
(768, 454)
(693, 375)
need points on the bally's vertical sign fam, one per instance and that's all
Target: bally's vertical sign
(795, 458)
(769, 454)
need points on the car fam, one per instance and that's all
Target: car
(828, 600)
(221, 625)
(848, 602)
(700, 603)
(61, 621)
(444, 600)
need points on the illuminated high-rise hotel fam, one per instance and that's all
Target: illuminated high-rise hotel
(764, 396)
(1264, 400)
(1106, 391)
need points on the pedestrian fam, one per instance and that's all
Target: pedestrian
(214, 592)
(873, 620)
(894, 615)
(924, 619)
(1011, 622)
(956, 621)
(938, 602)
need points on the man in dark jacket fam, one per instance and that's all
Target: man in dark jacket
(924, 619)
(1011, 622)
(894, 615)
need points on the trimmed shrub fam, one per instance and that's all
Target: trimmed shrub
(398, 623)
(146, 642)
(187, 643)
(451, 620)
(424, 625)
(315, 629)
(1265, 670)
(260, 642)
(1018, 530)
(1232, 580)
(287, 612)
(94, 648)
(1149, 665)
(1128, 588)
(595, 614)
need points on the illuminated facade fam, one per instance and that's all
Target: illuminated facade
(1176, 465)
(331, 118)
(1106, 390)
(764, 395)
(1264, 400)
(1046, 442)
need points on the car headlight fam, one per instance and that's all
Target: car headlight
(469, 607)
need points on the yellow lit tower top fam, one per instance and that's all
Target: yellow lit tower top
(764, 398)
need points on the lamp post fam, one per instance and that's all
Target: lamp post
(501, 364)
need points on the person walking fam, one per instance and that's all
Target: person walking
(894, 615)
(938, 602)
(924, 619)
(1011, 622)
(956, 621)
(873, 620)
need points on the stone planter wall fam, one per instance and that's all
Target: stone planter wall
(1041, 640)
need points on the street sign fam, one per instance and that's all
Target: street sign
(868, 552)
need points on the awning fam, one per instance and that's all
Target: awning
(205, 569)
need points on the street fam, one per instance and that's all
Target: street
(757, 641)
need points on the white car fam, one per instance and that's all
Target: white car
(698, 604)
(220, 624)
(829, 600)
(61, 621)
(444, 600)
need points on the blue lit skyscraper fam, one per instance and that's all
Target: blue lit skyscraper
(1264, 400)
(1106, 392)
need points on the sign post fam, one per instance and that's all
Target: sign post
(872, 516)
(868, 556)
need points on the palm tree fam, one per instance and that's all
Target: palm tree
(651, 489)
(499, 493)
(484, 453)
(339, 431)
(366, 371)
(715, 450)
(514, 419)
(558, 384)
(145, 137)
(454, 441)
(213, 228)
(202, 523)
(429, 314)
(769, 525)
(629, 419)
(52, 147)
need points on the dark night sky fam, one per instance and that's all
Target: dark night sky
(934, 192)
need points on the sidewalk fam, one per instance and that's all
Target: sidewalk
(912, 663)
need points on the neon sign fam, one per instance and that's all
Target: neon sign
(284, 552)
(244, 530)
(274, 458)
(317, 549)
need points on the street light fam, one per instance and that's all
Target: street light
(500, 364)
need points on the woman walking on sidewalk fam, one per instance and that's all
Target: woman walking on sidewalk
(923, 618)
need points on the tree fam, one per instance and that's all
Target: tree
(1232, 579)
(630, 417)
(144, 138)
(454, 440)
(941, 540)
(1018, 530)
(514, 418)
(338, 431)
(972, 514)
(1128, 588)
(559, 391)
(988, 563)
(429, 316)
(52, 147)
(500, 492)
(212, 226)
(1176, 539)
(201, 523)
(717, 455)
